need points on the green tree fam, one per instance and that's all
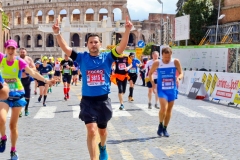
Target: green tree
(4, 20)
(200, 12)
(179, 5)
(147, 49)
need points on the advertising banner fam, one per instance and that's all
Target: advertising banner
(223, 86)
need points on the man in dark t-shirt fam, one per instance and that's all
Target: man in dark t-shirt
(67, 67)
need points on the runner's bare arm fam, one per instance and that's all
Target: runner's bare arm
(62, 43)
(36, 75)
(124, 41)
(179, 69)
(31, 64)
(152, 70)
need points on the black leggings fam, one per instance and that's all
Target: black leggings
(122, 85)
(26, 82)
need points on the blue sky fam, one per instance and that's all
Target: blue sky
(139, 9)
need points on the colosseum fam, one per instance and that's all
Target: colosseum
(25, 17)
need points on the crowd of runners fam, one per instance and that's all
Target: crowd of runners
(100, 70)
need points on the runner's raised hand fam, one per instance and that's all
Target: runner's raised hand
(128, 24)
(56, 27)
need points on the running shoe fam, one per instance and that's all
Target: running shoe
(26, 113)
(39, 99)
(20, 115)
(121, 107)
(65, 98)
(149, 106)
(35, 92)
(44, 104)
(2, 145)
(103, 152)
(50, 89)
(130, 99)
(165, 133)
(156, 106)
(14, 155)
(72, 83)
(160, 130)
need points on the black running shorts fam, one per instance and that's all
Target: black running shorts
(74, 73)
(41, 83)
(149, 84)
(133, 77)
(67, 78)
(99, 112)
(122, 85)
(57, 73)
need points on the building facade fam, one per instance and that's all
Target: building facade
(25, 17)
(229, 25)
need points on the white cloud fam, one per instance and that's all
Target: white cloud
(139, 9)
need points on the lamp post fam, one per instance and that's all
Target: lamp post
(161, 23)
(218, 18)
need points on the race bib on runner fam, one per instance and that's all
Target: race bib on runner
(167, 83)
(95, 78)
(66, 71)
(133, 70)
(122, 66)
(12, 84)
(45, 76)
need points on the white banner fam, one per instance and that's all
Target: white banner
(208, 58)
(223, 86)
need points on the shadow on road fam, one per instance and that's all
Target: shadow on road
(130, 140)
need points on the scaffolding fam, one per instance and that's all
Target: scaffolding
(227, 33)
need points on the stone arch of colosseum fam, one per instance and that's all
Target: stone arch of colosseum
(25, 18)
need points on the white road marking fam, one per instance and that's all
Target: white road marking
(220, 112)
(46, 112)
(76, 111)
(119, 113)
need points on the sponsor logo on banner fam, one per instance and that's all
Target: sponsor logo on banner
(208, 83)
(226, 86)
(237, 95)
(214, 82)
(204, 78)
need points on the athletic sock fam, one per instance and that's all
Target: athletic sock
(13, 149)
(65, 91)
(44, 98)
(130, 91)
(4, 137)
